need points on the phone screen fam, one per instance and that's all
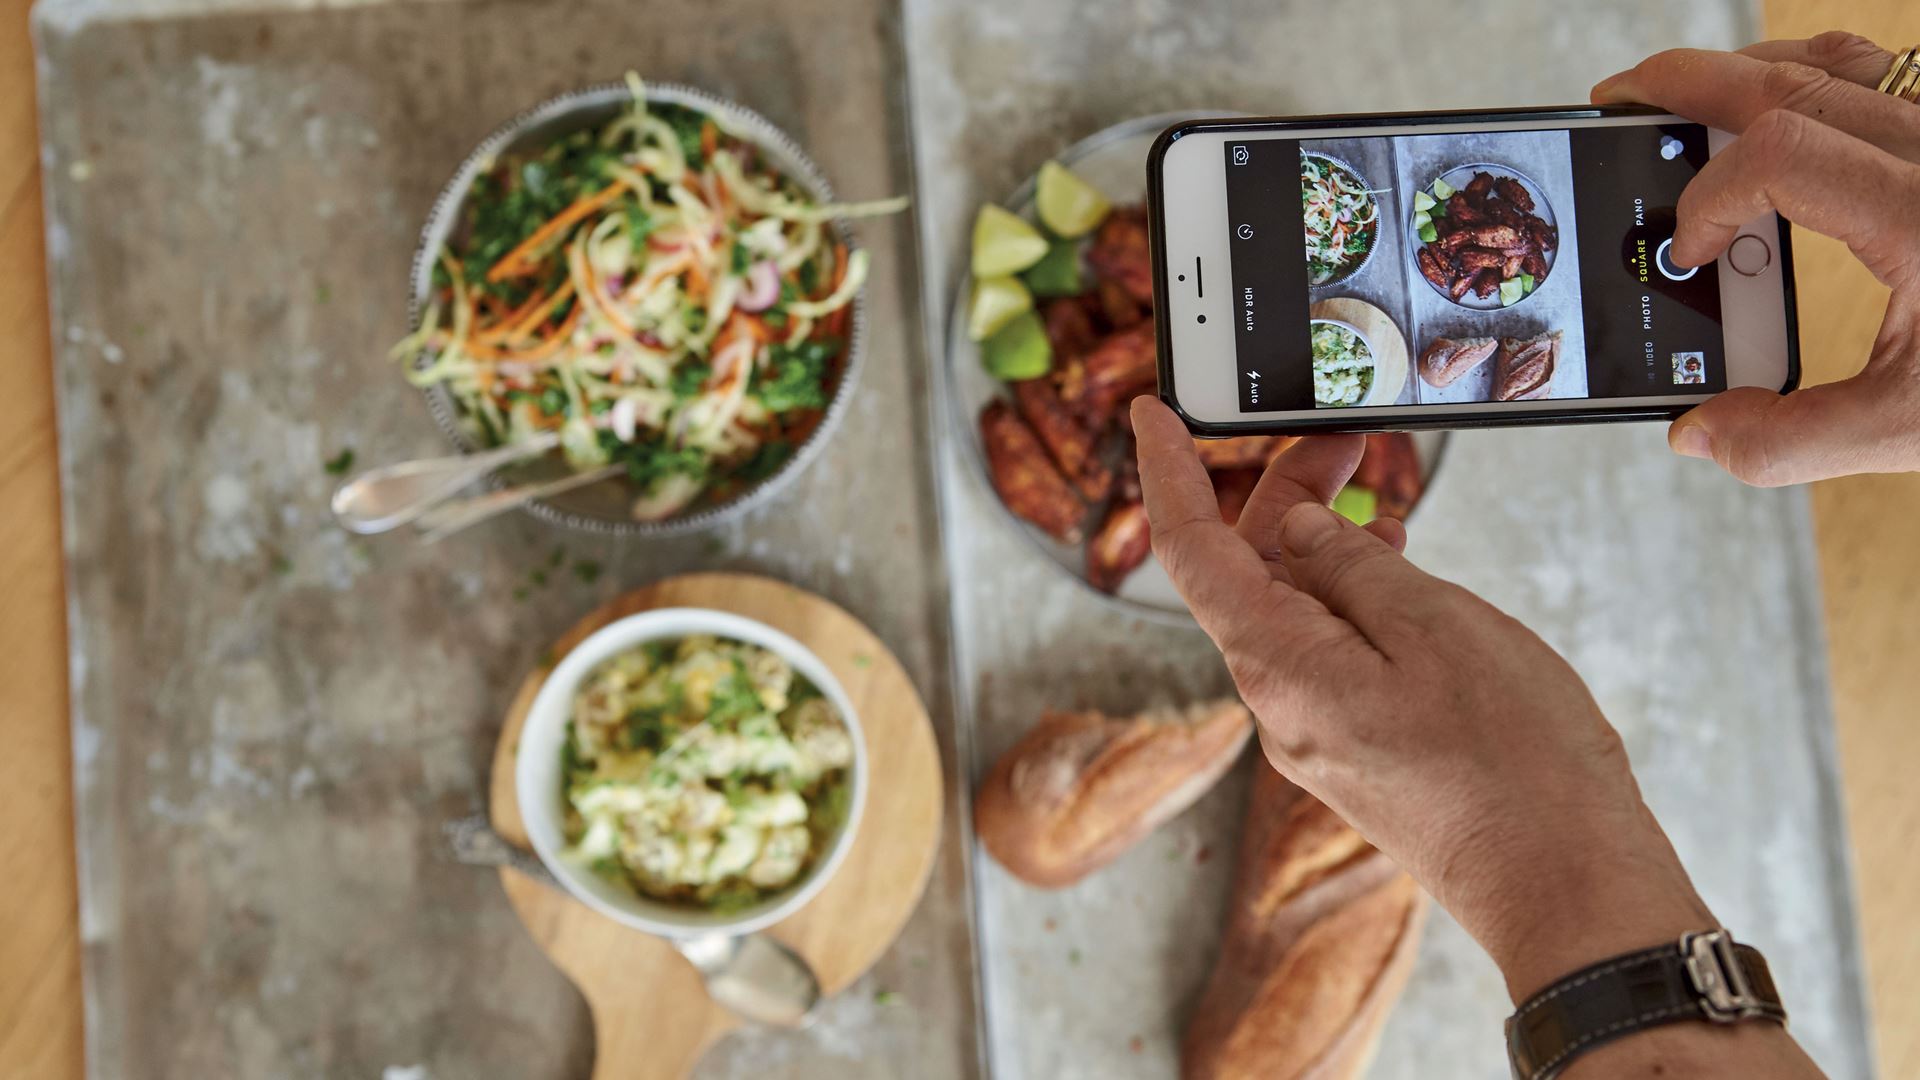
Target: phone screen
(1467, 267)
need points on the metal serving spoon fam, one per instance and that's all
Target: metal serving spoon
(752, 976)
(392, 495)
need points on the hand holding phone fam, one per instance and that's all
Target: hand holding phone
(1819, 145)
(1450, 270)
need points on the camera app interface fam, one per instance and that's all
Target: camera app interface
(1467, 267)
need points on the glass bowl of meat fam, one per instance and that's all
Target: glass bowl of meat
(1483, 235)
(1051, 439)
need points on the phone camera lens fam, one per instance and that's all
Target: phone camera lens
(1183, 277)
(1202, 318)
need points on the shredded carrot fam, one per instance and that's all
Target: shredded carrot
(546, 347)
(522, 259)
(697, 278)
(709, 138)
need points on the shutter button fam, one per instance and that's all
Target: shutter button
(1750, 255)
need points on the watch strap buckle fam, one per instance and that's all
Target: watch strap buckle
(1720, 978)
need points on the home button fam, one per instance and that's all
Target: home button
(1750, 255)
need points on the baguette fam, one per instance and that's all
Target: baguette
(1447, 359)
(1319, 943)
(1524, 370)
(1082, 787)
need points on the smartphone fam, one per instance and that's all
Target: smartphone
(1440, 270)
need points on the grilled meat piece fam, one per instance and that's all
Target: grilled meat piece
(1454, 241)
(1120, 253)
(1479, 188)
(1511, 268)
(1446, 360)
(1245, 451)
(1075, 449)
(1472, 260)
(1122, 544)
(1542, 235)
(1232, 488)
(1524, 370)
(1122, 366)
(1511, 190)
(1070, 328)
(1433, 265)
(1391, 470)
(1533, 263)
(1486, 282)
(1461, 211)
(1121, 310)
(1025, 477)
(1126, 484)
(1460, 286)
(1496, 237)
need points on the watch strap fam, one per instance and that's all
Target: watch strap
(1706, 976)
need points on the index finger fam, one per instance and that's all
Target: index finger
(1838, 53)
(1209, 563)
(1731, 91)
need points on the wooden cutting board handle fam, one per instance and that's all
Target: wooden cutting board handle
(651, 1015)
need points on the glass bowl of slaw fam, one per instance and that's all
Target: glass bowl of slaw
(634, 503)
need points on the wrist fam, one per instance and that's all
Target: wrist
(1615, 892)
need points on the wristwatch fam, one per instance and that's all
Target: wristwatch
(1707, 976)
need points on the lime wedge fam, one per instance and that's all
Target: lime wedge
(1003, 243)
(1511, 292)
(1019, 350)
(1059, 273)
(1068, 205)
(1357, 504)
(1423, 201)
(1526, 284)
(1442, 190)
(1421, 219)
(1428, 233)
(996, 302)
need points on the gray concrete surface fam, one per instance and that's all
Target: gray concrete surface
(271, 719)
(1687, 602)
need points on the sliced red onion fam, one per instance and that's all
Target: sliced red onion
(763, 287)
(623, 418)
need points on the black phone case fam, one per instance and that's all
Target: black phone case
(1588, 411)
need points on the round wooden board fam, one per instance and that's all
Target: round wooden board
(1389, 344)
(651, 1015)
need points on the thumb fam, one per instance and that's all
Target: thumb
(1835, 429)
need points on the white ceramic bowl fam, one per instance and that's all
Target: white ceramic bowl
(1377, 392)
(537, 779)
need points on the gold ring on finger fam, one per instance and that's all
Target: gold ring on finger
(1903, 76)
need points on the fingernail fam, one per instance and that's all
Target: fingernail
(1692, 440)
(1306, 527)
(1601, 88)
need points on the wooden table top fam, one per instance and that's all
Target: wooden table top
(1864, 527)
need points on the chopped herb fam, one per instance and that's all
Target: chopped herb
(796, 378)
(862, 660)
(1073, 957)
(886, 997)
(538, 577)
(282, 565)
(587, 571)
(738, 260)
(559, 556)
(713, 545)
(520, 592)
(553, 401)
(688, 378)
(774, 317)
(734, 698)
(340, 462)
(321, 293)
